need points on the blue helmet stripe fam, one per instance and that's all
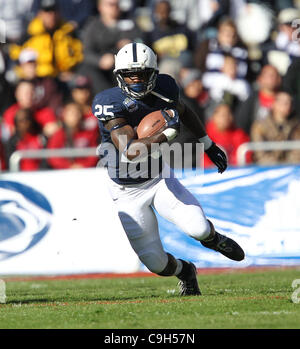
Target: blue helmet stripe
(134, 52)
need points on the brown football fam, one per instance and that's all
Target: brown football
(151, 124)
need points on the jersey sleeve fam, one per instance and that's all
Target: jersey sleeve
(168, 87)
(107, 106)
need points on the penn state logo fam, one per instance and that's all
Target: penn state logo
(130, 104)
(25, 218)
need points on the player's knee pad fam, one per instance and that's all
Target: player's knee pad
(155, 261)
(170, 268)
(194, 223)
(199, 229)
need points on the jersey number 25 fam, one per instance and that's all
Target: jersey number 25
(103, 110)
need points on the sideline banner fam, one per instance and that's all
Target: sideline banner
(258, 207)
(60, 222)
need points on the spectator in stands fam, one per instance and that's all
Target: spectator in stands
(222, 130)
(168, 39)
(75, 11)
(210, 13)
(257, 106)
(210, 53)
(285, 47)
(45, 117)
(48, 92)
(182, 11)
(6, 90)
(194, 94)
(81, 92)
(15, 14)
(197, 99)
(102, 37)
(25, 137)
(291, 83)
(226, 85)
(53, 39)
(281, 125)
(255, 22)
(72, 135)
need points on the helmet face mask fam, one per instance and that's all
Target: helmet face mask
(141, 89)
(136, 60)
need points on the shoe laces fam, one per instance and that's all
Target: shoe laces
(188, 286)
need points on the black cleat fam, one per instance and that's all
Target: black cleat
(228, 247)
(188, 284)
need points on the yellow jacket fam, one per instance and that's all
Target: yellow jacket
(57, 53)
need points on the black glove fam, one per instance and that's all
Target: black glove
(172, 121)
(218, 157)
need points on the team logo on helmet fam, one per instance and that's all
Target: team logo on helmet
(25, 218)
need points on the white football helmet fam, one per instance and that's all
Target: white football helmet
(136, 58)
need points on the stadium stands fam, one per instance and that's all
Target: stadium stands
(209, 48)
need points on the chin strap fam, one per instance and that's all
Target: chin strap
(162, 97)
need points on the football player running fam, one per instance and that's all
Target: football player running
(140, 91)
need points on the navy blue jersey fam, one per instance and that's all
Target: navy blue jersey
(114, 103)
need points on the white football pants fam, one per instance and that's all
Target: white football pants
(136, 204)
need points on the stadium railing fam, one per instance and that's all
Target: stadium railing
(244, 148)
(17, 156)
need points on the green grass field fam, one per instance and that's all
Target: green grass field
(260, 299)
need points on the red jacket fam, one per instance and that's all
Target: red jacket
(2, 159)
(81, 139)
(229, 140)
(90, 123)
(30, 141)
(41, 116)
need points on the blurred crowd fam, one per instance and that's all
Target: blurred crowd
(237, 63)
